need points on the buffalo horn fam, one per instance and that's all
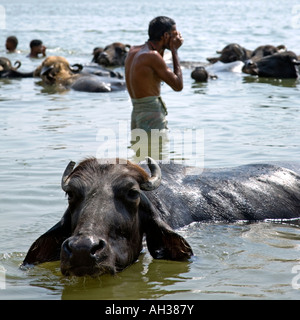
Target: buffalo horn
(155, 179)
(76, 68)
(64, 179)
(17, 64)
(238, 50)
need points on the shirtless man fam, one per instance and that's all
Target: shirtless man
(145, 69)
(37, 48)
(11, 44)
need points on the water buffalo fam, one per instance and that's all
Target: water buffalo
(235, 52)
(57, 71)
(279, 65)
(232, 52)
(266, 50)
(8, 71)
(112, 55)
(112, 205)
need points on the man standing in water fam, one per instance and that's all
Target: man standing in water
(145, 69)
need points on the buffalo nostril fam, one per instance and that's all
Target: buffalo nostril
(249, 63)
(98, 247)
(66, 247)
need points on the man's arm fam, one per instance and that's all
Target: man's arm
(172, 78)
(165, 74)
(177, 70)
(176, 42)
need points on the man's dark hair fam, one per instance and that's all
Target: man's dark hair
(158, 26)
(35, 43)
(13, 40)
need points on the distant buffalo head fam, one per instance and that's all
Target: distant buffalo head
(5, 65)
(9, 71)
(230, 53)
(103, 226)
(266, 50)
(279, 65)
(56, 70)
(112, 55)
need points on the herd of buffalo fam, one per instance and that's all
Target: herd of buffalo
(265, 61)
(113, 205)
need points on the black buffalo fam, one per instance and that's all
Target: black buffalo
(266, 50)
(8, 71)
(232, 52)
(279, 65)
(235, 52)
(111, 207)
(112, 55)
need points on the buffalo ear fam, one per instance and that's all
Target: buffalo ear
(296, 62)
(162, 241)
(47, 247)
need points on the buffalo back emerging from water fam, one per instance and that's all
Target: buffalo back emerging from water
(111, 207)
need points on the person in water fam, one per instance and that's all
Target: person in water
(145, 69)
(37, 48)
(11, 44)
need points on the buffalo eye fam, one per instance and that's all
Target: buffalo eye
(74, 196)
(119, 50)
(70, 195)
(133, 194)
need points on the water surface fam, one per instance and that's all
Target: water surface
(244, 120)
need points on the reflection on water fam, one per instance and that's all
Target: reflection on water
(181, 146)
(146, 280)
(153, 144)
(240, 260)
(288, 83)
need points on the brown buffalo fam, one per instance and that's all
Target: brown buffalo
(112, 55)
(57, 71)
(112, 205)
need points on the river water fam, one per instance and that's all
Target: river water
(240, 119)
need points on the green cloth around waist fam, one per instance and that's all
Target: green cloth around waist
(148, 113)
(149, 104)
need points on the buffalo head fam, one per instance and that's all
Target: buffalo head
(278, 65)
(107, 216)
(56, 70)
(232, 52)
(266, 50)
(5, 65)
(112, 55)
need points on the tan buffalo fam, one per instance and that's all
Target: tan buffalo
(57, 71)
